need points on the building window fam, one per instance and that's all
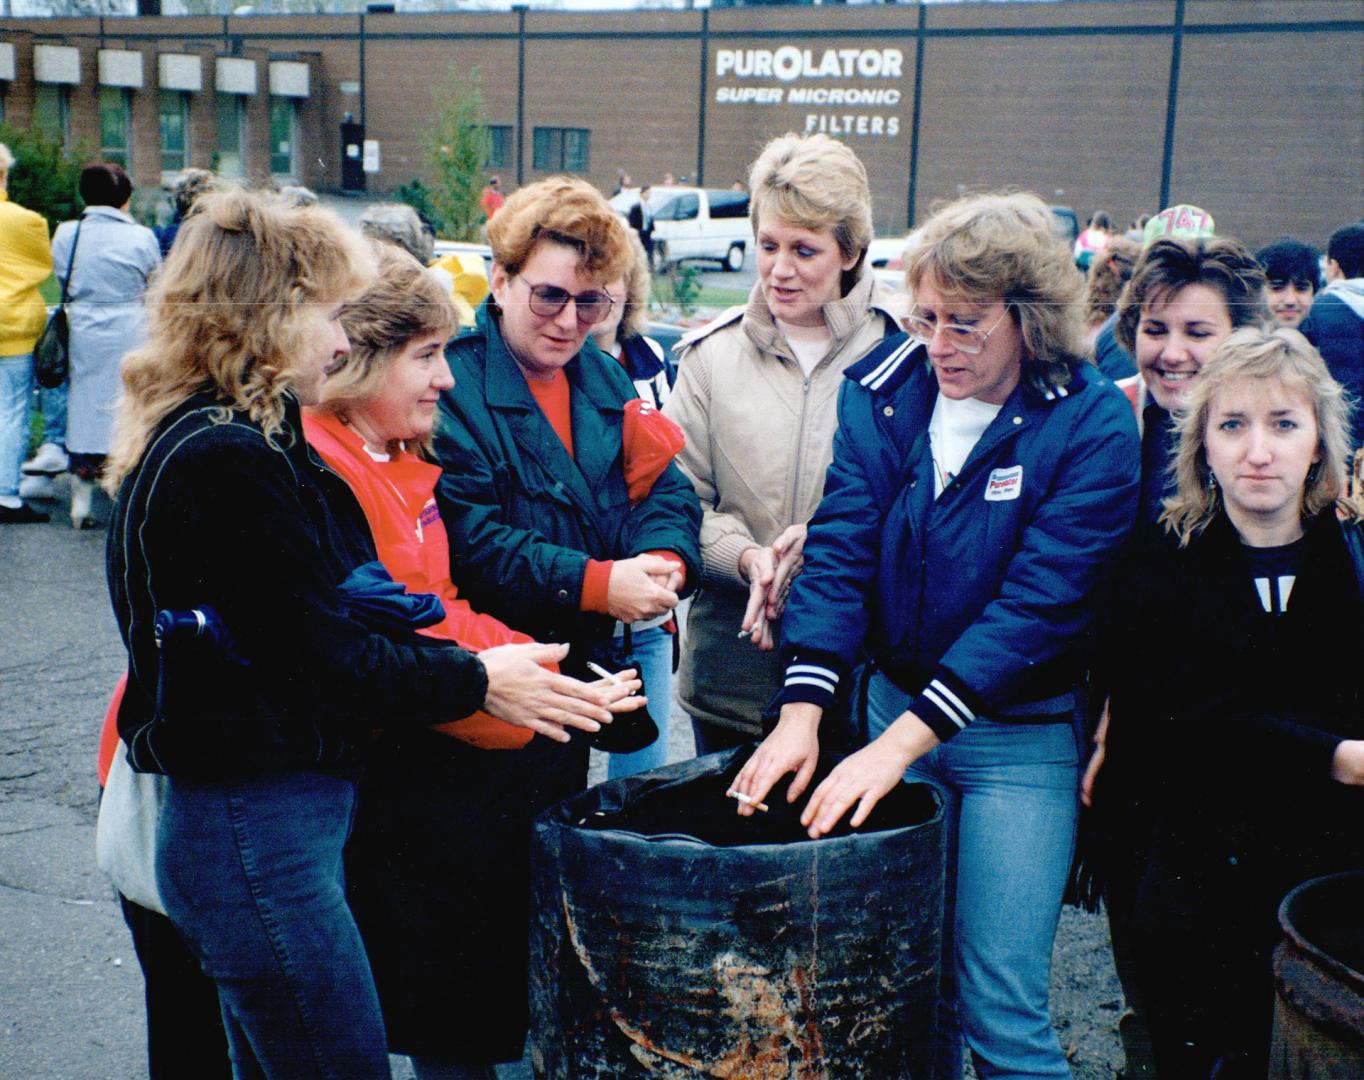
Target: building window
(115, 122)
(561, 149)
(499, 146)
(230, 161)
(283, 137)
(174, 131)
(52, 111)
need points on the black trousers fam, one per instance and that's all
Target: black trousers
(185, 1035)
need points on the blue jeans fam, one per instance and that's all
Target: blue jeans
(250, 872)
(1011, 794)
(653, 651)
(16, 386)
(52, 404)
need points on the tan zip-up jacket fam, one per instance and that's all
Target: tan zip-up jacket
(759, 441)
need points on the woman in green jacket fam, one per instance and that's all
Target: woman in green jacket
(544, 534)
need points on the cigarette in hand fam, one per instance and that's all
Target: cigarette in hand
(597, 669)
(747, 800)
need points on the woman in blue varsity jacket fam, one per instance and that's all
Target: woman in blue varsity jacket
(983, 478)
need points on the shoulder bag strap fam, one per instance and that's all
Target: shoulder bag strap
(71, 262)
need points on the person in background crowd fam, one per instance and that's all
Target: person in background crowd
(641, 219)
(1108, 273)
(756, 397)
(490, 202)
(221, 506)
(1093, 239)
(1294, 275)
(1232, 765)
(1335, 324)
(545, 533)
(621, 336)
(189, 186)
(1183, 299)
(452, 803)
(1137, 230)
(25, 263)
(984, 477)
(400, 225)
(114, 260)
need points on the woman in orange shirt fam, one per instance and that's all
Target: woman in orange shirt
(438, 864)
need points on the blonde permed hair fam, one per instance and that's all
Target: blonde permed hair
(403, 303)
(637, 281)
(227, 311)
(566, 211)
(1001, 247)
(814, 182)
(1255, 353)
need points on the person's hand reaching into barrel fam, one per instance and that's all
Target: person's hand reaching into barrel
(863, 778)
(793, 746)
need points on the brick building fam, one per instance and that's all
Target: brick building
(1251, 108)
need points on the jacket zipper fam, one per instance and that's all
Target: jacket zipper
(800, 449)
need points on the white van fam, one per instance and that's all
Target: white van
(695, 223)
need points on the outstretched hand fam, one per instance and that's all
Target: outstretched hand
(524, 693)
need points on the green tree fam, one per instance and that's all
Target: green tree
(456, 149)
(44, 176)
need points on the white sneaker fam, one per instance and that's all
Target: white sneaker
(37, 487)
(50, 460)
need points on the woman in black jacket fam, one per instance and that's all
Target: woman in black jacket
(222, 508)
(1232, 765)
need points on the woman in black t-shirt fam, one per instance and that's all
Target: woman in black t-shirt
(1234, 756)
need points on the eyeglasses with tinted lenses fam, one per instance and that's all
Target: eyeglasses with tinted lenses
(591, 307)
(965, 339)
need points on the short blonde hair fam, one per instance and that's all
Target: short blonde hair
(563, 210)
(1001, 247)
(1248, 354)
(404, 302)
(813, 182)
(7, 159)
(227, 313)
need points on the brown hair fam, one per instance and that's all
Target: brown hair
(566, 211)
(1001, 246)
(1254, 353)
(1173, 263)
(1108, 273)
(227, 312)
(404, 302)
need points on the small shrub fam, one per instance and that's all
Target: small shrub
(44, 176)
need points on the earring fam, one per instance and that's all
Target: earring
(1313, 471)
(1212, 480)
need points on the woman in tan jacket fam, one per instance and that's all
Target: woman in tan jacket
(756, 396)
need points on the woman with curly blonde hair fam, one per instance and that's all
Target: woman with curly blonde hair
(261, 717)
(984, 476)
(1233, 763)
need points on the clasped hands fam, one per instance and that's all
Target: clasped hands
(770, 571)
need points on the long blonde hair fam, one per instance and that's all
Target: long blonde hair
(1253, 353)
(226, 313)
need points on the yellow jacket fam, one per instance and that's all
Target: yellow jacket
(25, 263)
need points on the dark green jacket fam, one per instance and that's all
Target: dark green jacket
(523, 516)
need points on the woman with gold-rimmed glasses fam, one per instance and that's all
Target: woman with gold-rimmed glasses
(544, 533)
(983, 477)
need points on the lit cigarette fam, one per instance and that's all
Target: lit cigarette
(748, 800)
(597, 669)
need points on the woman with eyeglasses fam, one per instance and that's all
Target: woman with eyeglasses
(543, 532)
(984, 476)
(756, 396)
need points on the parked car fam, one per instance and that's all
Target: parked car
(695, 223)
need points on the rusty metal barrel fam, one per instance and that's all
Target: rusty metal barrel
(1319, 981)
(672, 938)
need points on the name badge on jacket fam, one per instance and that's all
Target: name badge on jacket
(1004, 484)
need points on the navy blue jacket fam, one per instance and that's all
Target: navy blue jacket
(1338, 333)
(975, 602)
(522, 515)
